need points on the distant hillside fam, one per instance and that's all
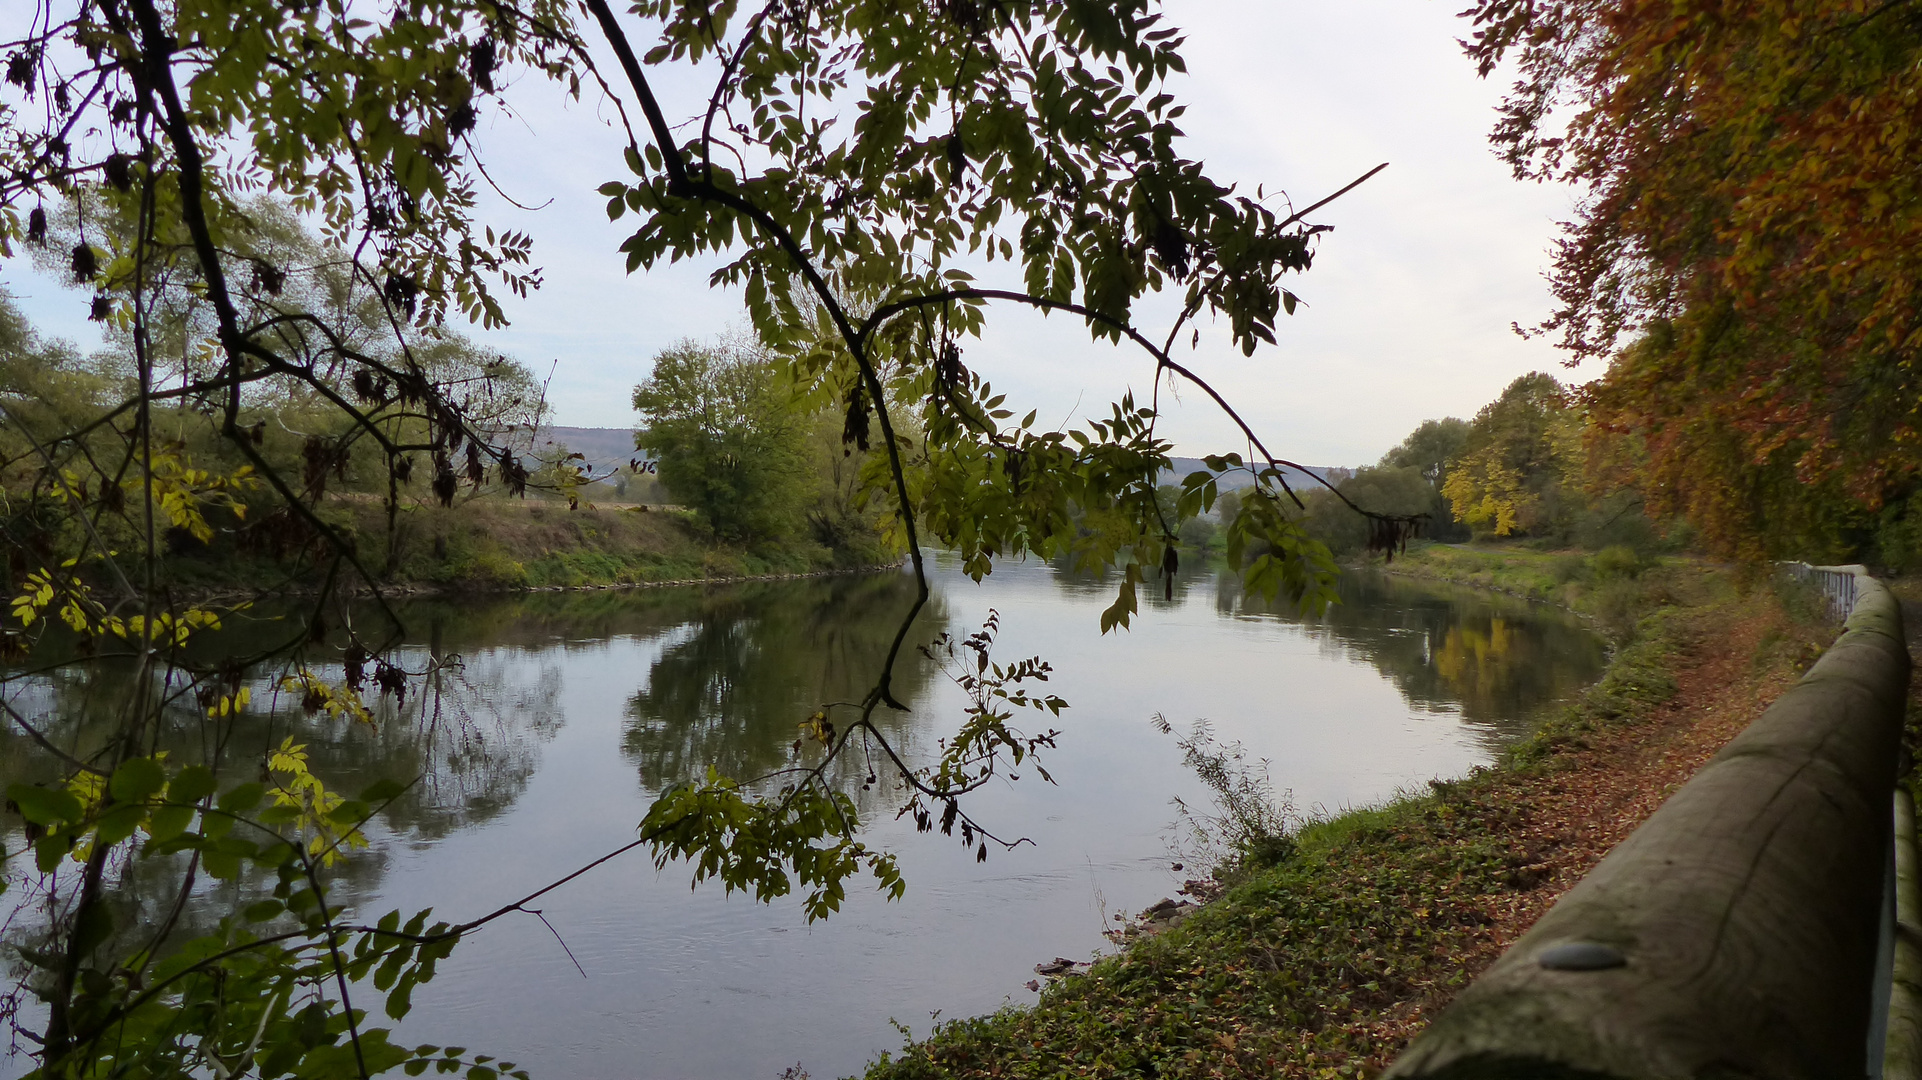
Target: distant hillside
(612, 448)
(605, 448)
(1241, 478)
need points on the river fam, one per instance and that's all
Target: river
(570, 711)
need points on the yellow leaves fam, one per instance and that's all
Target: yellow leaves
(1521, 448)
(28, 605)
(291, 758)
(300, 791)
(68, 487)
(818, 728)
(229, 704)
(1485, 491)
(72, 602)
(182, 491)
(42, 590)
(318, 696)
(88, 787)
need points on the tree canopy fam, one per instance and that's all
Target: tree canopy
(848, 148)
(1514, 459)
(729, 443)
(1752, 218)
(1430, 447)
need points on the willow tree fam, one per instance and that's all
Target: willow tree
(847, 148)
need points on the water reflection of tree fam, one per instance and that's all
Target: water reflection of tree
(466, 743)
(1493, 657)
(76, 709)
(1153, 593)
(466, 740)
(757, 659)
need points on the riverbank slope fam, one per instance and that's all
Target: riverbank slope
(496, 544)
(1325, 963)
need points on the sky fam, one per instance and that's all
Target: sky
(1408, 307)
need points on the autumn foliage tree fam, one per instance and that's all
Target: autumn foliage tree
(1752, 222)
(1517, 470)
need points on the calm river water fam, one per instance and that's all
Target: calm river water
(573, 709)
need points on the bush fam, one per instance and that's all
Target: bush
(1197, 534)
(1251, 828)
(1617, 563)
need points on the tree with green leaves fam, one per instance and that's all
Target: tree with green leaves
(1395, 489)
(729, 439)
(1430, 448)
(1518, 470)
(847, 148)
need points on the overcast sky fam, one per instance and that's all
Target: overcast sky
(1408, 306)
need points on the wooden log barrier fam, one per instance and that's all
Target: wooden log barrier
(1902, 1059)
(1735, 934)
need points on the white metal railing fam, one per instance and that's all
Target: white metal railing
(1837, 584)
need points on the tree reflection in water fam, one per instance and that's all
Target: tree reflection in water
(758, 659)
(744, 664)
(1450, 648)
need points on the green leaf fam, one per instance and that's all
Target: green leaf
(49, 850)
(169, 822)
(221, 865)
(381, 791)
(191, 784)
(136, 779)
(242, 799)
(119, 822)
(44, 806)
(49, 961)
(263, 910)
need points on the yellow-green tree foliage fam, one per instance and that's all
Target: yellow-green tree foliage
(1522, 448)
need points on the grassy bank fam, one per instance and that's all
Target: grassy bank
(1324, 963)
(498, 544)
(1615, 587)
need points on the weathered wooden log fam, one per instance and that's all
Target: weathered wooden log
(1735, 934)
(1902, 1059)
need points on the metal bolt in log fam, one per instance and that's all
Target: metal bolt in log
(1745, 912)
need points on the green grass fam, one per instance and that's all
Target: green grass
(495, 544)
(1614, 587)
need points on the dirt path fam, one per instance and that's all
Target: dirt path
(1573, 815)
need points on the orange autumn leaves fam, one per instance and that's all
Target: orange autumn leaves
(1753, 224)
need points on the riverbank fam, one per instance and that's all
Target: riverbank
(1325, 963)
(509, 545)
(1613, 588)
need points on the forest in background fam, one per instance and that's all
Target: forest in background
(734, 455)
(448, 522)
